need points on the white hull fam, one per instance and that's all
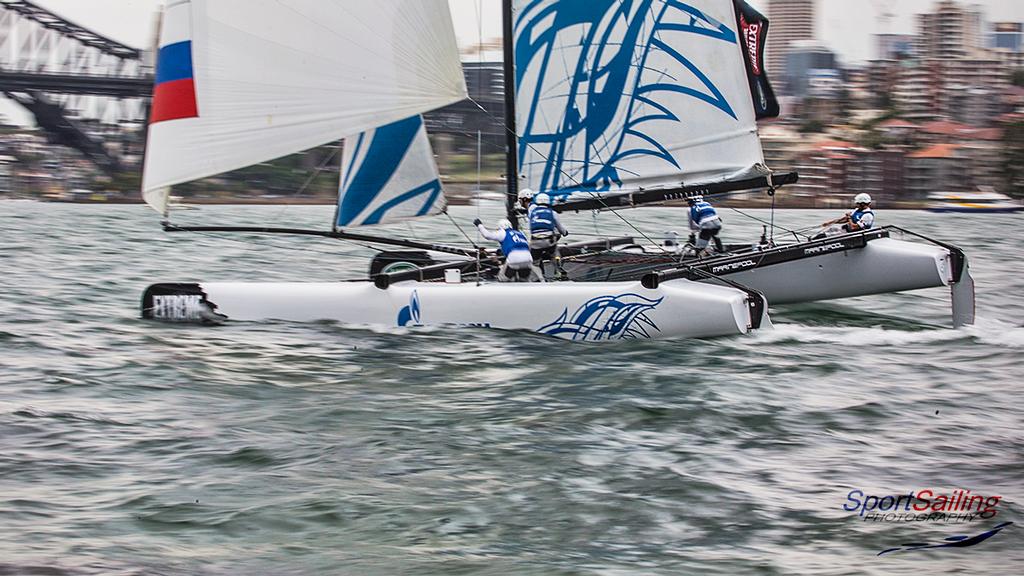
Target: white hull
(851, 265)
(883, 265)
(576, 311)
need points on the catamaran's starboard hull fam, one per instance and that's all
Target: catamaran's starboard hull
(569, 310)
(977, 210)
(851, 265)
(881, 266)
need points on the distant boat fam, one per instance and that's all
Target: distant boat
(985, 199)
(178, 203)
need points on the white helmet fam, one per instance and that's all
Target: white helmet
(525, 194)
(504, 224)
(862, 198)
(542, 199)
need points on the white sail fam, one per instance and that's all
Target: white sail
(617, 96)
(389, 174)
(244, 81)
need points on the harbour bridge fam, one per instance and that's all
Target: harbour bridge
(92, 93)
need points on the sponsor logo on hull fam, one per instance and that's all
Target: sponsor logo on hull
(734, 266)
(179, 308)
(824, 248)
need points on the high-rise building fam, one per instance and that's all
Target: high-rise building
(952, 75)
(950, 31)
(791, 21)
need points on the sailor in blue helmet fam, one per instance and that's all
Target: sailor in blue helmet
(545, 228)
(518, 266)
(862, 218)
(704, 220)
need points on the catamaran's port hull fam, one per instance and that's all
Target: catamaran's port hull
(570, 310)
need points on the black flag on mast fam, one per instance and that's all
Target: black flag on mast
(753, 27)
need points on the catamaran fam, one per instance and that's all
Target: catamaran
(618, 109)
(613, 105)
(242, 82)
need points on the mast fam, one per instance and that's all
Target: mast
(511, 150)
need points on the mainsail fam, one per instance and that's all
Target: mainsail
(245, 81)
(615, 96)
(389, 174)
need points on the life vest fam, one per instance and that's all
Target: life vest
(702, 212)
(857, 215)
(542, 220)
(514, 240)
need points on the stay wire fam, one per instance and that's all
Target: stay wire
(309, 181)
(566, 174)
(461, 231)
(252, 243)
(798, 232)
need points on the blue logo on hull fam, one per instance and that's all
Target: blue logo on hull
(411, 313)
(606, 318)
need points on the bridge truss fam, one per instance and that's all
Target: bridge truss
(86, 91)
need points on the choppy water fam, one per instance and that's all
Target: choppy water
(134, 448)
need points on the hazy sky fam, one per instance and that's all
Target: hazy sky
(844, 25)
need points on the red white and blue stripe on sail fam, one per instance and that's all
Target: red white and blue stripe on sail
(389, 174)
(174, 92)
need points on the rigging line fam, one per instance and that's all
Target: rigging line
(461, 231)
(593, 195)
(752, 217)
(253, 243)
(479, 135)
(306, 184)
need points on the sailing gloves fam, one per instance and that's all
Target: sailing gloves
(477, 222)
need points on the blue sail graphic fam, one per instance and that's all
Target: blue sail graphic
(621, 94)
(389, 174)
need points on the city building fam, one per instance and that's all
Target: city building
(895, 46)
(950, 31)
(916, 89)
(1006, 43)
(951, 75)
(802, 57)
(938, 168)
(791, 21)
(1007, 36)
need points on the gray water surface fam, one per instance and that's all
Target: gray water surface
(128, 447)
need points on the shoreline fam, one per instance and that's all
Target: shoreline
(781, 203)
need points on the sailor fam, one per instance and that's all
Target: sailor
(518, 266)
(525, 197)
(545, 228)
(704, 220)
(862, 218)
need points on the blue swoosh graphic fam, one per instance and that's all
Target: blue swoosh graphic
(606, 318)
(608, 98)
(951, 542)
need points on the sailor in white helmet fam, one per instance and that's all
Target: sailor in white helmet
(525, 197)
(704, 220)
(545, 228)
(862, 218)
(518, 266)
